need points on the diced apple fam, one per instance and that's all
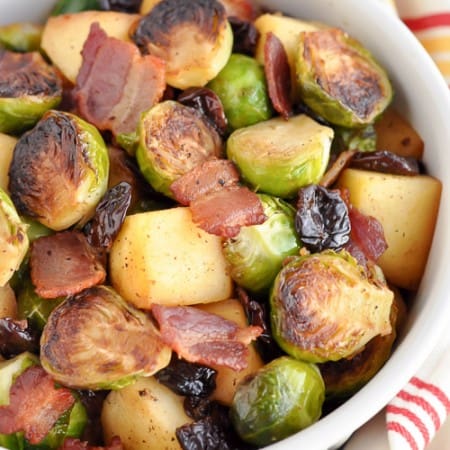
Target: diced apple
(407, 208)
(163, 257)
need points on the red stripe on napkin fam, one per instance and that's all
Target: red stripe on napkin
(425, 22)
(433, 389)
(402, 431)
(412, 417)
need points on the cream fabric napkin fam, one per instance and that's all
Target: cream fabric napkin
(418, 417)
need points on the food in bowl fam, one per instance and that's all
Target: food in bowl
(205, 231)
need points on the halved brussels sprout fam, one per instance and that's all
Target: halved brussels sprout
(28, 88)
(325, 306)
(21, 36)
(278, 157)
(13, 239)
(95, 340)
(362, 139)
(339, 79)
(282, 398)
(71, 423)
(194, 38)
(242, 88)
(59, 171)
(173, 139)
(256, 254)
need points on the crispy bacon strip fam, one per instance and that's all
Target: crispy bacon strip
(199, 336)
(278, 75)
(77, 444)
(64, 264)
(210, 176)
(224, 212)
(116, 83)
(35, 404)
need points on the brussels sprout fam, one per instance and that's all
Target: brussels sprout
(59, 171)
(32, 307)
(194, 38)
(21, 37)
(74, 6)
(344, 377)
(13, 239)
(242, 89)
(95, 340)
(325, 306)
(282, 398)
(256, 254)
(339, 79)
(173, 139)
(278, 157)
(28, 88)
(362, 139)
(71, 423)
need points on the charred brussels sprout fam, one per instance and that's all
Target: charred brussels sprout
(194, 38)
(256, 254)
(282, 398)
(59, 171)
(325, 306)
(241, 86)
(173, 139)
(339, 79)
(21, 37)
(28, 88)
(278, 157)
(13, 239)
(95, 340)
(70, 423)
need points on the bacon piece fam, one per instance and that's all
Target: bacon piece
(64, 264)
(210, 176)
(35, 404)
(224, 212)
(76, 444)
(116, 83)
(278, 75)
(206, 338)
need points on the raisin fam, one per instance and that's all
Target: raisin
(322, 219)
(16, 336)
(386, 162)
(126, 6)
(189, 379)
(245, 36)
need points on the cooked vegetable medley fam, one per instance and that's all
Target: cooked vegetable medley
(212, 223)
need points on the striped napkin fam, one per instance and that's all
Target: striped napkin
(420, 412)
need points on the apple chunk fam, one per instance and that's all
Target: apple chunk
(63, 36)
(407, 208)
(163, 257)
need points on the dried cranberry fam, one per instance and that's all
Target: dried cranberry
(206, 101)
(126, 6)
(322, 219)
(245, 36)
(189, 379)
(109, 216)
(386, 162)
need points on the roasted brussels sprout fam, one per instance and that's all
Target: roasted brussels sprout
(325, 306)
(362, 139)
(339, 79)
(242, 89)
(194, 38)
(59, 171)
(173, 139)
(95, 340)
(256, 254)
(28, 88)
(74, 6)
(282, 398)
(21, 36)
(278, 157)
(13, 239)
(70, 423)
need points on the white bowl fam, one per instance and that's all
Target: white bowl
(423, 97)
